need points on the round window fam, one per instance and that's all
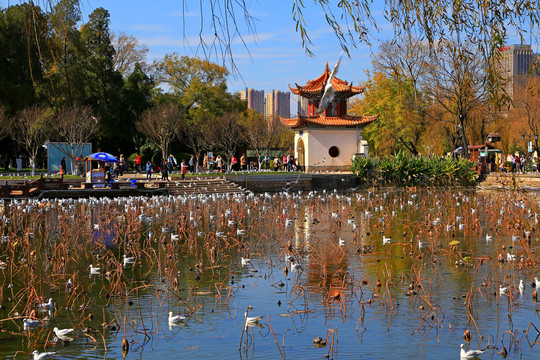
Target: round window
(333, 151)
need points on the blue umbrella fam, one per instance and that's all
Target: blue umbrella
(103, 156)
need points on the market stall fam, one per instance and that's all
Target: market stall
(95, 165)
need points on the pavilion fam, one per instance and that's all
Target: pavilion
(328, 141)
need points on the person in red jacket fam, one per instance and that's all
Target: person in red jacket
(234, 163)
(183, 168)
(138, 163)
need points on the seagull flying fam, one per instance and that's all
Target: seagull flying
(328, 94)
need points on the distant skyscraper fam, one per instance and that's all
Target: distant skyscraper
(516, 65)
(254, 98)
(303, 105)
(278, 103)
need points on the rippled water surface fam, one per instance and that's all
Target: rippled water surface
(317, 268)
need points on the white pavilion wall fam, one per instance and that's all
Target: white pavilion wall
(317, 143)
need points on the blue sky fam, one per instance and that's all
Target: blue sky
(275, 58)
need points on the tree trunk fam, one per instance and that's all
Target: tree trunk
(464, 145)
(33, 165)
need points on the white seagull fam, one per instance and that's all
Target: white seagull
(128, 260)
(328, 94)
(30, 323)
(245, 261)
(386, 240)
(94, 270)
(422, 244)
(251, 320)
(470, 354)
(175, 318)
(43, 355)
(63, 334)
(48, 305)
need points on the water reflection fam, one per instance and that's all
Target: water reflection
(316, 264)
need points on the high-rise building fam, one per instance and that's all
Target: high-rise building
(254, 98)
(303, 104)
(516, 65)
(278, 103)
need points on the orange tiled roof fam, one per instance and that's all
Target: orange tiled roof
(332, 121)
(317, 85)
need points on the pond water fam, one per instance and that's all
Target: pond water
(317, 268)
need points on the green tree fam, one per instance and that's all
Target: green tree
(20, 46)
(104, 84)
(137, 97)
(398, 126)
(65, 52)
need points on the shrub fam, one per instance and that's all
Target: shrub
(405, 170)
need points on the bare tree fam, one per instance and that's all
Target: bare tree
(456, 83)
(527, 107)
(73, 127)
(4, 123)
(128, 52)
(194, 132)
(260, 133)
(29, 129)
(226, 134)
(403, 59)
(160, 126)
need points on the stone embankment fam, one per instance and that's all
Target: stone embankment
(295, 182)
(511, 181)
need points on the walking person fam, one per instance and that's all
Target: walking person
(164, 170)
(148, 170)
(211, 163)
(276, 163)
(234, 163)
(219, 163)
(63, 167)
(121, 161)
(172, 162)
(183, 169)
(266, 162)
(205, 162)
(243, 162)
(138, 163)
(192, 161)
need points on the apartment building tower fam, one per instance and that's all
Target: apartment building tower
(303, 104)
(278, 104)
(254, 98)
(517, 63)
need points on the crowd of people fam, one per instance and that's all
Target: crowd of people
(209, 163)
(520, 163)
